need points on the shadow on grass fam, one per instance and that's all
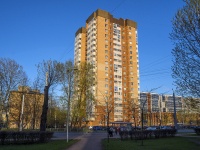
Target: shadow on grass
(52, 145)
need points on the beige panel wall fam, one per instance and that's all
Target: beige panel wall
(101, 60)
(83, 47)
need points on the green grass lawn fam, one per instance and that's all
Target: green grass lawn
(52, 145)
(174, 143)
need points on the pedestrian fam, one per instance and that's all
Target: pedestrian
(116, 130)
(111, 132)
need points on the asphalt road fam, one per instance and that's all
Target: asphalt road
(73, 135)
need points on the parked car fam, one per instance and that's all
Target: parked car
(97, 128)
(165, 127)
(90, 127)
(151, 128)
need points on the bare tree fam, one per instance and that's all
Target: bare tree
(11, 75)
(47, 71)
(133, 111)
(83, 100)
(66, 71)
(36, 103)
(186, 53)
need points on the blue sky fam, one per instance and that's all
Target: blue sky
(36, 30)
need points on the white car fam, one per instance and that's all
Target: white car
(166, 127)
(90, 127)
(151, 128)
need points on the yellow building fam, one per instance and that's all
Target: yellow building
(26, 107)
(111, 45)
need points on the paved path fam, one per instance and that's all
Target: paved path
(89, 141)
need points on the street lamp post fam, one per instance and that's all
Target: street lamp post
(21, 115)
(68, 112)
(175, 119)
(69, 101)
(142, 118)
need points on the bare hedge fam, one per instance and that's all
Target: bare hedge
(146, 134)
(9, 137)
(197, 130)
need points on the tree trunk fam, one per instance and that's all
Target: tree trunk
(44, 110)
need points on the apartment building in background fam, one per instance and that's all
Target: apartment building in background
(111, 45)
(25, 107)
(159, 109)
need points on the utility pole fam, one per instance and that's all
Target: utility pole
(142, 118)
(45, 106)
(68, 114)
(55, 119)
(175, 119)
(21, 115)
(160, 111)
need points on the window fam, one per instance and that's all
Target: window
(116, 88)
(106, 20)
(131, 62)
(106, 46)
(130, 37)
(106, 85)
(130, 42)
(106, 25)
(129, 33)
(130, 52)
(129, 28)
(106, 35)
(106, 68)
(130, 57)
(106, 79)
(106, 51)
(106, 57)
(130, 47)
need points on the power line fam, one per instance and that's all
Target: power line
(70, 49)
(156, 62)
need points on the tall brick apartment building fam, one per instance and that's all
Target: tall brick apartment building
(111, 45)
